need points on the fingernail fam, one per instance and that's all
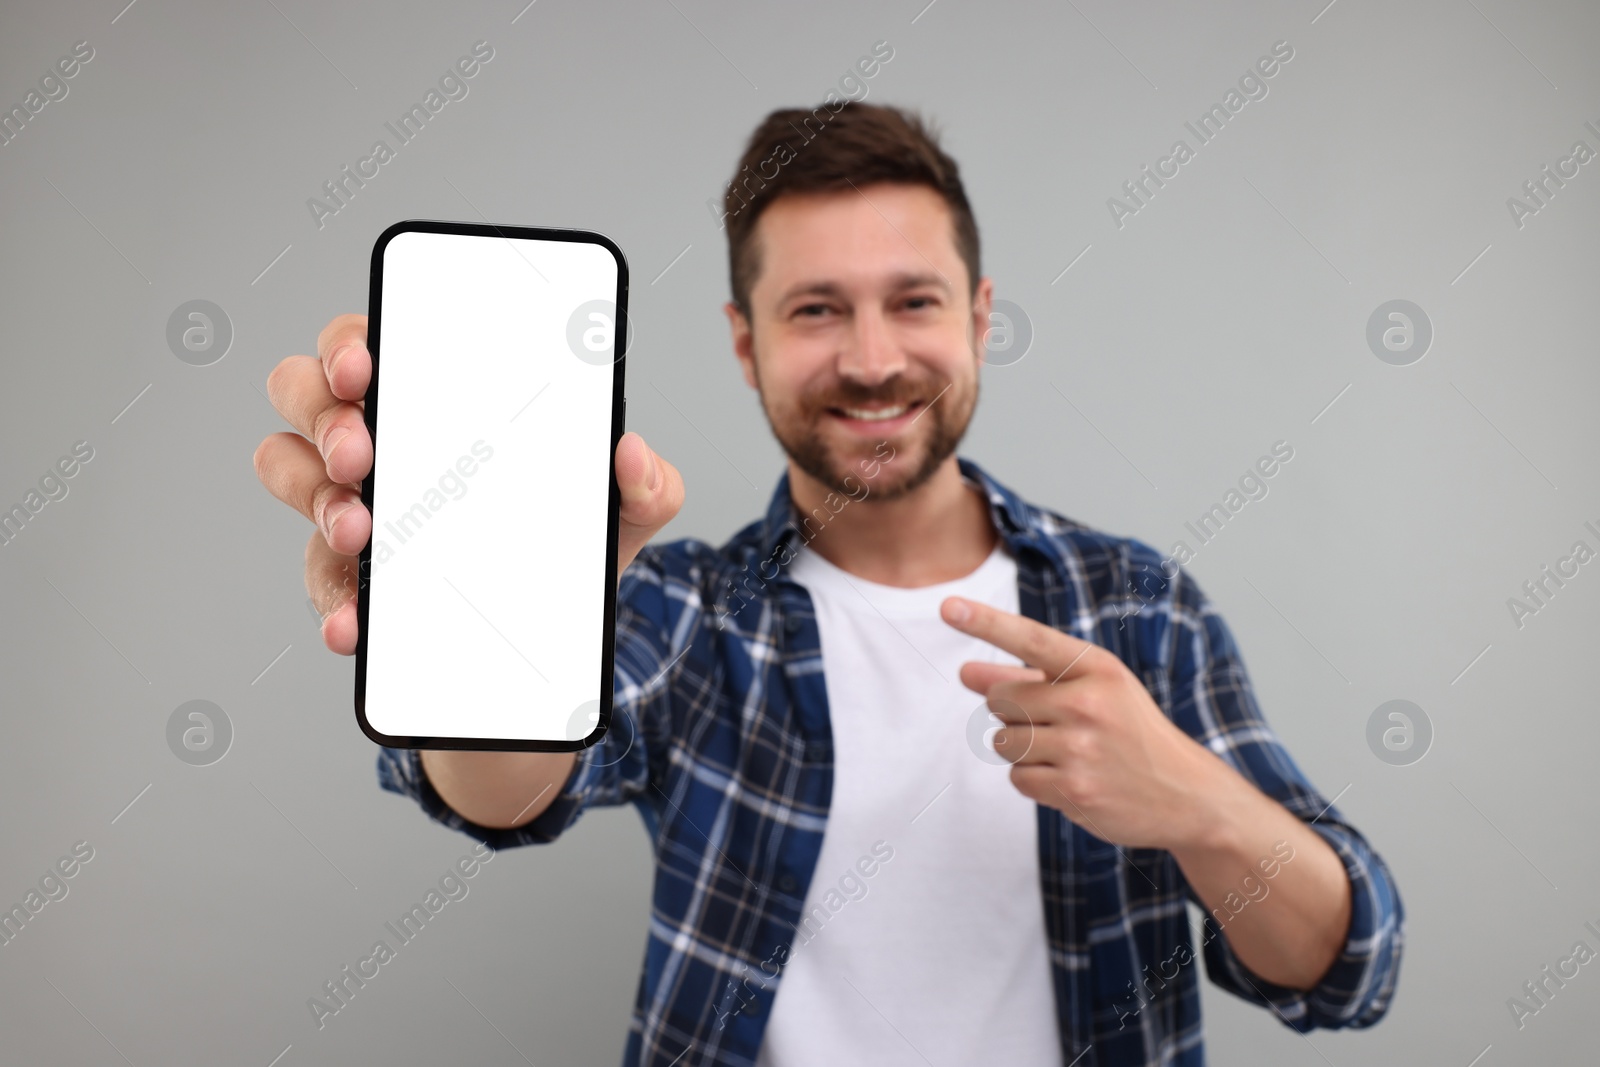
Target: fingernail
(652, 473)
(332, 443)
(338, 354)
(959, 612)
(330, 518)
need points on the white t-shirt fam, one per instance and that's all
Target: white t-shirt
(923, 930)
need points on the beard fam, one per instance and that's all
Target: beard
(919, 449)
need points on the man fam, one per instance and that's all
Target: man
(849, 869)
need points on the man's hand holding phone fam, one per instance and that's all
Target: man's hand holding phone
(318, 471)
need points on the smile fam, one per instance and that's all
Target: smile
(881, 413)
(877, 419)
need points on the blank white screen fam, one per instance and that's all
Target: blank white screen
(491, 489)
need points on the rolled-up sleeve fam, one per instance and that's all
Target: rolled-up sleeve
(1212, 700)
(617, 769)
(1357, 989)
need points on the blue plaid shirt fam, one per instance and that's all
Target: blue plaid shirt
(721, 739)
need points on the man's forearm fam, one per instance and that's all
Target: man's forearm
(500, 790)
(1288, 928)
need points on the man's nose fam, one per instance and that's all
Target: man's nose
(871, 354)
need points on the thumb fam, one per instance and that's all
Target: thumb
(651, 491)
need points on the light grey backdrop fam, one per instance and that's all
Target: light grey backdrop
(1227, 313)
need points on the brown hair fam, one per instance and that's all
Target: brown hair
(795, 150)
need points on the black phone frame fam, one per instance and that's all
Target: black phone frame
(618, 414)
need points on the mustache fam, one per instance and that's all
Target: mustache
(854, 395)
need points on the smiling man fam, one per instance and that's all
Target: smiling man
(853, 864)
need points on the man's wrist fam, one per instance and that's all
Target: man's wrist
(1219, 802)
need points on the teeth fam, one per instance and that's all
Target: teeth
(875, 416)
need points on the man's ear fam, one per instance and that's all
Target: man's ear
(982, 305)
(743, 346)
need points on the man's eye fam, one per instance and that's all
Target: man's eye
(917, 303)
(811, 310)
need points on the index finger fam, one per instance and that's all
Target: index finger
(342, 348)
(1059, 655)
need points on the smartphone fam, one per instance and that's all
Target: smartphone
(487, 594)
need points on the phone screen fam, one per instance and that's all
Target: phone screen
(487, 594)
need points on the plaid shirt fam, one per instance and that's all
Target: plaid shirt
(721, 739)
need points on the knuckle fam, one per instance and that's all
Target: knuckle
(268, 459)
(1083, 705)
(349, 326)
(1080, 788)
(329, 578)
(316, 576)
(277, 382)
(276, 375)
(1079, 744)
(261, 459)
(1029, 780)
(1089, 703)
(667, 498)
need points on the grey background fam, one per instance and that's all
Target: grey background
(1226, 315)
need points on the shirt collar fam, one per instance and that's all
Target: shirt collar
(1016, 521)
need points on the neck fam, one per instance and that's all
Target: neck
(939, 532)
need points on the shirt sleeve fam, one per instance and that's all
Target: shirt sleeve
(616, 770)
(1212, 700)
